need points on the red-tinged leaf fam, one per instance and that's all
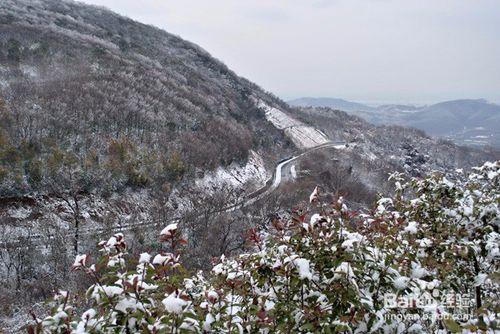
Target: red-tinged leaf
(262, 314)
(136, 282)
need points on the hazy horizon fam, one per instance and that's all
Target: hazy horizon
(375, 103)
(368, 51)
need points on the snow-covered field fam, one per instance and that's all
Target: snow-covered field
(302, 135)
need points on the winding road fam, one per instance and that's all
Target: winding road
(283, 172)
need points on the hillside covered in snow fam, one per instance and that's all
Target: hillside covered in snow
(113, 130)
(120, 103)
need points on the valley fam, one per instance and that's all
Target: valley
(152, 189)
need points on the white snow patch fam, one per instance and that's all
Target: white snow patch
(236, 175)
(344, 270)
(370, 155)
(401, 282)
(174, 304)
(303, 266)
(301, 135)
(411, 228)
(314, 195)
(128, 303)
(306, 137)
(29, 71)
(293, 171)
(169, 230)
(145, 258)
(20, 213)
(418, 271)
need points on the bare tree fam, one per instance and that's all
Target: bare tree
(214, 226)
(67, 184)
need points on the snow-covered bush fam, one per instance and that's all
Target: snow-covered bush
(426, 260)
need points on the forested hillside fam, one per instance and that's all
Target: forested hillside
(393, 145)
(90, 98)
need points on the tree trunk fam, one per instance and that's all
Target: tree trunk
(76, 236)
(76, 216)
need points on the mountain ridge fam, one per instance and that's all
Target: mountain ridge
(341, 104)
(473, 122)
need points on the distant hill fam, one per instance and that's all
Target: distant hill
(470, 122)
(333, 103)
(397, 108)
(451, 116)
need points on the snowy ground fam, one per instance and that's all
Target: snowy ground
(293, 172)
(302, 135)
(237, 176)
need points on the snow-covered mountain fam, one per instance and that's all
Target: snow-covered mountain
(120, 98)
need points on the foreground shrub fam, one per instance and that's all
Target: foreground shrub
(426, 260)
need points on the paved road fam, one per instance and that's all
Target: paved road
(283, 172)
(289, 167)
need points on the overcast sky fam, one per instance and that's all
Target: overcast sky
(377, 51)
